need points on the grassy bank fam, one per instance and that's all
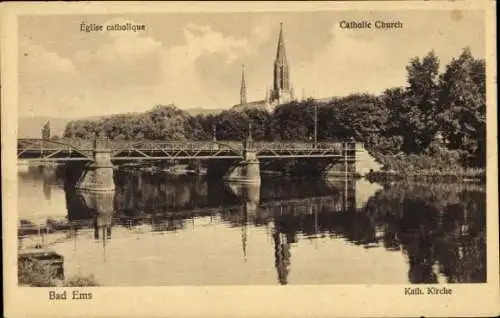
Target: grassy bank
(444, 166)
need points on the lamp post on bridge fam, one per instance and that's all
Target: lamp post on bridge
(214, 132)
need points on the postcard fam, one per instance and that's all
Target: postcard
(260, 159)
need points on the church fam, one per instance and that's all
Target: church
(281, 91)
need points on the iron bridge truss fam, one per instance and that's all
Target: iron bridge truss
(224, 150)
(54, 150)
(82, 150)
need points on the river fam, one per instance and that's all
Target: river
(159, 230)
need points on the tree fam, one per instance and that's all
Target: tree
(463, 115)
(363, 116)
(416, 111)
(293, 121)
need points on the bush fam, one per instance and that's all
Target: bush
(35, 274)
(32, 272)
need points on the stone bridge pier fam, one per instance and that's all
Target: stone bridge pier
(98, 175)
(248, 170)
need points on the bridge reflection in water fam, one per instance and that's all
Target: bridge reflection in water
(440, 229)
(167, 205)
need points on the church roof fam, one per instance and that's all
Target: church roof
(259, 104)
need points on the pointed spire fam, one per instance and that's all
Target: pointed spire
(281, 53)
(243, 89)
(281, 81)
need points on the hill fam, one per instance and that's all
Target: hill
(30, 127)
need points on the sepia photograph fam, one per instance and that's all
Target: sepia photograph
(206, 148)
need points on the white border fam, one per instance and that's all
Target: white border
(272, 301)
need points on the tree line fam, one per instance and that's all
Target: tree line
(402, 120)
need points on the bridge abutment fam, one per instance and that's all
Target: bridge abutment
(345, 166)
(98, 175)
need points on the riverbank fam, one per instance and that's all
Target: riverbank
(472, 175)
(425, 168)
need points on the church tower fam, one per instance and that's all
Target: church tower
(243, 89)
(281, 91)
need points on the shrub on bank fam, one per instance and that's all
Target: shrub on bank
(35, 274)
(81, 281)
(435, 163)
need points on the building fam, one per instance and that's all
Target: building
(281, 91)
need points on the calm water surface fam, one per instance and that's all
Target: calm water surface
(157, 229)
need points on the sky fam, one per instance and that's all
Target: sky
(194, 60)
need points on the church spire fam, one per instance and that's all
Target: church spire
(281, 52)
(281, 92)
(243, 89)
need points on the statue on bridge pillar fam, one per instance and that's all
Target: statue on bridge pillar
(101, 143)
(46, 130)
(247, 170)
(248, 140)
(249, 137)
(98, 176)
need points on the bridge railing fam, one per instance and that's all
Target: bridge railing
(174, 145)
(56, 144)
(299, 145)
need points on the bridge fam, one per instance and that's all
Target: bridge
(102, 154)
(83, 150)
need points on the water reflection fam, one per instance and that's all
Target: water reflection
(249, 195)
(102, 205)
(438, 229)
